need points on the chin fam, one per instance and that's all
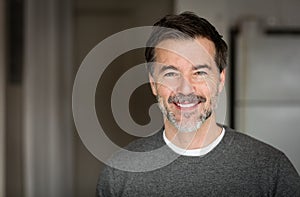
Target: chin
(188, 128)
(188, 124)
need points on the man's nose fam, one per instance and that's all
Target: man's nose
(185, 87)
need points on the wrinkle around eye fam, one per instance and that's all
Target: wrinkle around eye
(171, 74)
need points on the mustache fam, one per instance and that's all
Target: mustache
(191, 98)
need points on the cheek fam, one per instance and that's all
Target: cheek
(163, 90)
(167, 85)
(212, 84)
(164, 94)
(207, 88)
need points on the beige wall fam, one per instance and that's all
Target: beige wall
(13, 139)
(47, 163)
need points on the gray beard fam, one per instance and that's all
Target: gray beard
(188, 123)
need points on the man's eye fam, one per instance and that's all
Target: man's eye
(171, 74)
(200, 73)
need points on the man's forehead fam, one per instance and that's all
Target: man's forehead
(193, 50)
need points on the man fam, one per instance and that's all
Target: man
(186, 59)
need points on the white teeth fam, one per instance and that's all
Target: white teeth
(186, 105)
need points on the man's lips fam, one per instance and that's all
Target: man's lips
(186, 106)
(186, 102)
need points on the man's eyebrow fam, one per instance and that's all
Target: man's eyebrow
(197, 67)
(167, 67)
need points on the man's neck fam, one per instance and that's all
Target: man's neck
(204, 136)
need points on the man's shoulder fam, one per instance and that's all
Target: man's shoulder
(148, 143)
(142, 155)
(234, 138)
(250, 145)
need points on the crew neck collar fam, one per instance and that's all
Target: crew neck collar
(194, 152)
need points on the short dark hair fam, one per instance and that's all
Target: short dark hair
(186, 25)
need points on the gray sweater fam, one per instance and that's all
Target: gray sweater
(238, 166)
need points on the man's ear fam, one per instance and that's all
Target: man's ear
(152, 84)
(222, 80)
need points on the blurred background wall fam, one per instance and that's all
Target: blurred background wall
(43, 42)
(2, 98)
(93, 22)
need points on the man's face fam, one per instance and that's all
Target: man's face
(186, 82)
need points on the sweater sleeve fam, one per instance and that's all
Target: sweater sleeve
(105, 183)
(288, 180)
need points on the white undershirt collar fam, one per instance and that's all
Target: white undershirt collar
(194, 152)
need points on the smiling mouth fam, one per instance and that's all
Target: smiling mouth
(186, 102)
(186, 105)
